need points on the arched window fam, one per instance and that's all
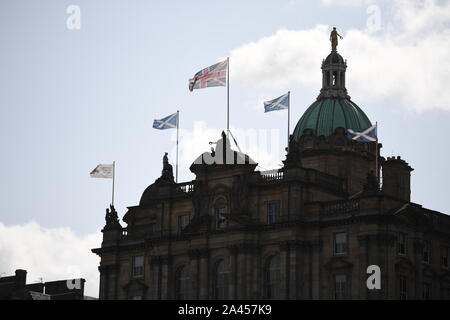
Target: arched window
(309, 143)
(182, 279)
(221, 279)
(272, 275)
(334, 80)
(221, 211)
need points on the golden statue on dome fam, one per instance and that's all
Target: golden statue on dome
(334, 38)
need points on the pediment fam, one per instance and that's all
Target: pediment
(403, 263)
(338, 263)
(412, 215)
(135, 285)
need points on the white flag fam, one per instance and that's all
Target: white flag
(103, 171)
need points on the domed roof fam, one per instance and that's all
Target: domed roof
(334, 58)
(325, 115)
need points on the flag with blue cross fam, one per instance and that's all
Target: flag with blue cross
(279, 103)
(169, 122)
(367, 135)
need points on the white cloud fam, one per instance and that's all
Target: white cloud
(338, 2)
(347, 2)
(49, 253)
(408, 59)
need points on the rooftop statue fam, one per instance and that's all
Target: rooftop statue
(167, 171)
(334, 38)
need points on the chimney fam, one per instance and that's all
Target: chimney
(397, 178)
(21, 278)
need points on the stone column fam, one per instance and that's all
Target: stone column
(295, 270)
(360, 282)
(104, 281)
(418, 258)
(241, 272)
(253, 252)
(233, 269)
(204, 285)
(194, 266)
(316, 248)
(284, 270)
(165, 289)
(155, 287)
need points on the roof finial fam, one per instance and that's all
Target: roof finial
(334, 38)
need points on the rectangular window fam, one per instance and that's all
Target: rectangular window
(403, 288)
(426, 251)
(340, 287)
(221, 219)
(401, 243)
(138, 266)
(445, 253)
(340, 243)
(426, 291)
(273, 209)
(183, 221)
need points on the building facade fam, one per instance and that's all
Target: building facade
(16, 288)
(309, 230)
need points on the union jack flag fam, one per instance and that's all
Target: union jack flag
(213, 76)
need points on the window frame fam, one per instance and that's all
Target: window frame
(223, 277)
(180, 229)
(335, 252)
(271, 283)
(133, 267)
(445, 253)
(403, 294)
(426, 249)
(426, 291)
(185, 279)
(276, 215)
(221, 209)
(218, 214)
(402, 236)
(342, 291)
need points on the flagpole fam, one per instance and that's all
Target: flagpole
(289, 111)
(114, 174)
(178, 124)
(228, 95)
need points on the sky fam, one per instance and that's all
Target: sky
(82, 80)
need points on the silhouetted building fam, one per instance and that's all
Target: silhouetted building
(15, 288)
(306, 231)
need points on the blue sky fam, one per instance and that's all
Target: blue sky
(70, 99)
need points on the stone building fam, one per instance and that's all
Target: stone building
(16, 288)
(306, 231)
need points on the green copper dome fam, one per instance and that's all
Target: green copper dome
(325, 115)
(333, 107)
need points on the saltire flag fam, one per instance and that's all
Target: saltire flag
(213, 76)
(103, 171)
(169, 122)
(367, 135)
(279, 103)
